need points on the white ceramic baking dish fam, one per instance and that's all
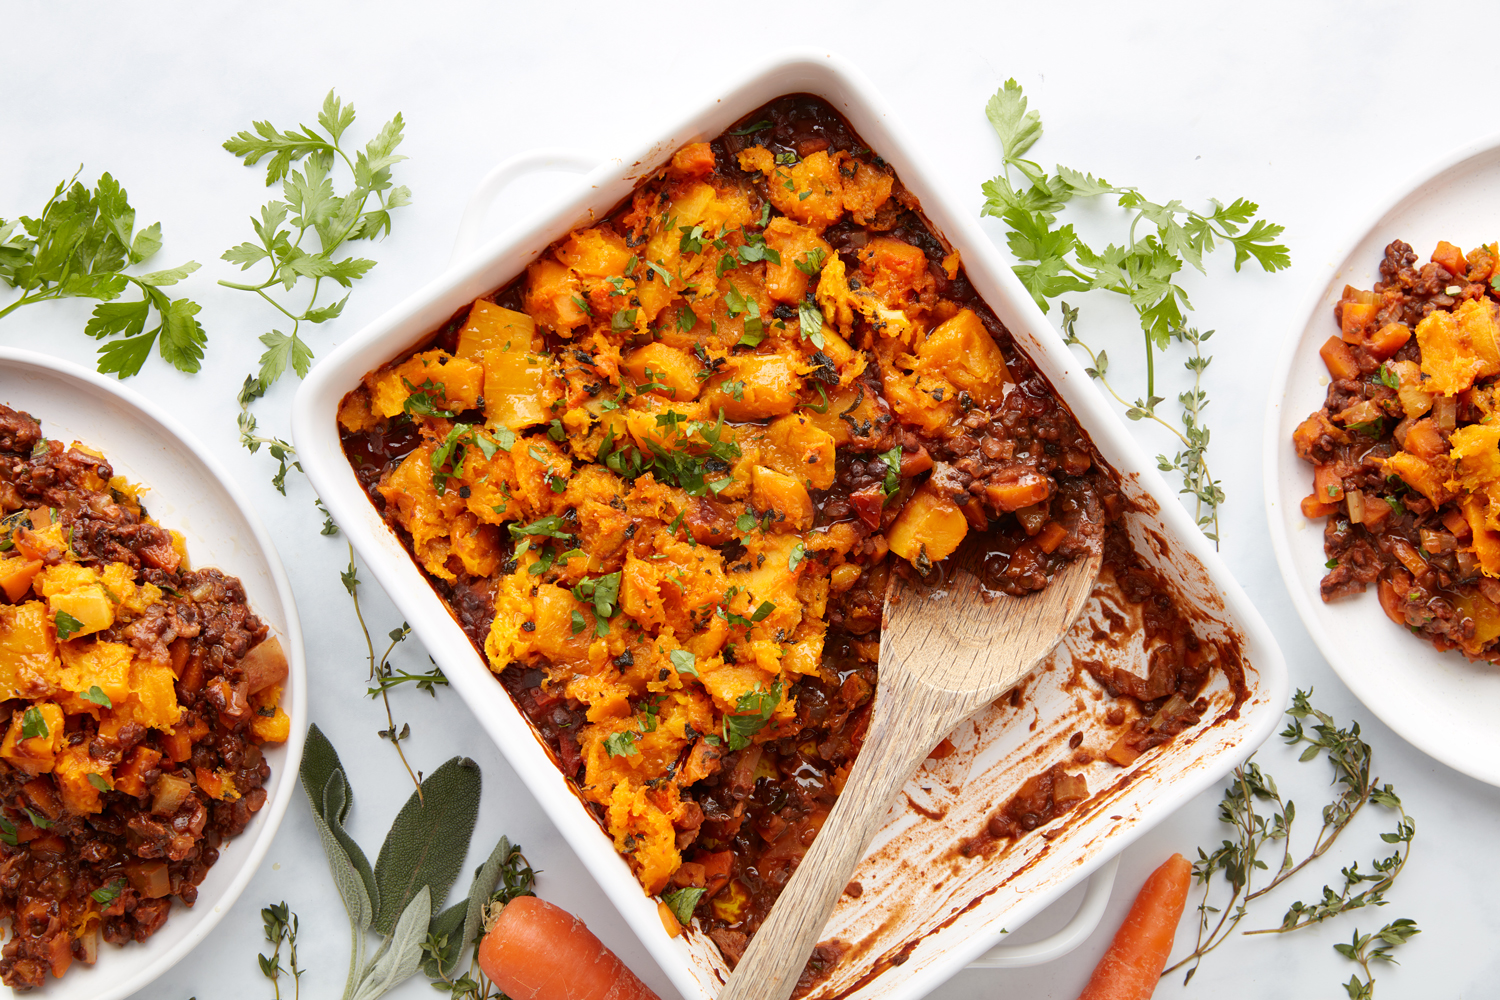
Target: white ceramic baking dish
(926, 910)
(188, 491)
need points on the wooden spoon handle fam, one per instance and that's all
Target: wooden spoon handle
(904, 728)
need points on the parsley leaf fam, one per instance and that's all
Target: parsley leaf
(751, 713)
(97, 780)
(1161, 239)
(107, 894)
(622, 744)
(67, 625)
(810, 317)
(682, 902)
(79, 246)
(33, 725)
(892, 460)
(309, 205)
(684, 662)
(96, 695)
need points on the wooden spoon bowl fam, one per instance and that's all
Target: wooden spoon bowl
(946, 651)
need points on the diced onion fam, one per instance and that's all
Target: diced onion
(1445, 412)
(170, 793)
(1356, 505)
(1438, 541)
(1409, 557)
(1400, 432)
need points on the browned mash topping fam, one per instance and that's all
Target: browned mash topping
(138, 695)
(662, 478)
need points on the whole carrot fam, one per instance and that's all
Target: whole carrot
(1132, 966)
(538, 951)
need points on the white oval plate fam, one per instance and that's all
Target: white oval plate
(1441, 703)
(188, 491)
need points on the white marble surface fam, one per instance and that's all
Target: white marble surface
(1317, 111)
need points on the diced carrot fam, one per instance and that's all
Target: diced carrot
(1337, 357)
(1355, 317)
(1313, 507)
(716, 869)
(542, 952)
(1454, 521)
(1451, 258)
(1132, 966)
(1388, 340)
(1424, 440)
(1328, 485)
(1051, 537)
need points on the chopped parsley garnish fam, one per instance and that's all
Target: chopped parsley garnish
(96, 695)
(684, 662)
(755, 127)
(798, 553)
(751, 713)
(8, 832)
(682, 902)
(104, 895)
(424, 399)
(32, 723)
(546, 527)
(892, 460)
(622, 744)
(811, 318)
(1388, 378)
(812, 262)
(97, 780)
(604, 594)
(67, 626)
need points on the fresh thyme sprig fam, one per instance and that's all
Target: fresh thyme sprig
(381, 669)
(1054, 261)
(1239, 859)
(281, 928)
(388, 677)
(280, 450)
(309, 203)
(445, 940)
(1397, 932)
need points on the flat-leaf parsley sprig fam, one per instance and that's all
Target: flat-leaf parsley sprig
(1144, 268)
(310, 207)
(78, 246)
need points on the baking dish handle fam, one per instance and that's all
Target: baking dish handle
(471, 224)
(1095, 898)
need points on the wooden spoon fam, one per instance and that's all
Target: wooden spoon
(945, 653)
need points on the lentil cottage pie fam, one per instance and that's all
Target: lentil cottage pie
(1406, 448)
(661, 480)
(138, 694)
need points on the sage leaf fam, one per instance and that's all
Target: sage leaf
(401, 953)
(319, 761)
(484, 884)
(447, 928)
(326, 784)
(336, 799)
(346, 879)
(428, 841)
